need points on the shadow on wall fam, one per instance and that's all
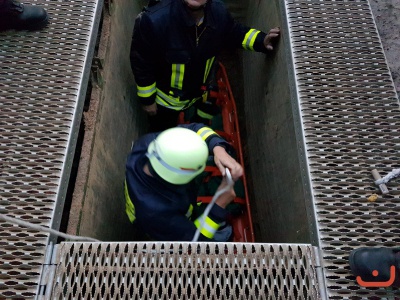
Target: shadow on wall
(98, 205)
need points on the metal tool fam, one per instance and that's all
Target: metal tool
(381, 182)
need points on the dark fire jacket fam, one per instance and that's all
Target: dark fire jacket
(171, 57)
(165, 211)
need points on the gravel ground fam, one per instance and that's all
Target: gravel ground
(387, 18)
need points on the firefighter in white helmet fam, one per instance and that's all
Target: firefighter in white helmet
(160, 192)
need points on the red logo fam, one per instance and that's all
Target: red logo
(378, 283)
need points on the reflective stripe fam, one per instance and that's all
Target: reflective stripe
(173, 102)
(129, 207)
(250, 37)
(164, 103)
(207, 226)
(190, 211)
(178, 70)
(205, 132)
(167, 100)
(146, 91)
(205, 97)
(204, 115)
(209, 64)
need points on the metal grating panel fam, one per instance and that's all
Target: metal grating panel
(43, 77)
(350, 121)
(185, 271)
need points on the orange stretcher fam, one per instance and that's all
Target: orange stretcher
(241, 220)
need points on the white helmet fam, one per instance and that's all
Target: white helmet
(178, 155)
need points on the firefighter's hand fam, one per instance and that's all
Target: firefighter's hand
(150, 109)
(227, 197)
(223, 160)
(271, 37)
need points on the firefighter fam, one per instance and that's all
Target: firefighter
(160, 190)
(18, 16)
(174, 46)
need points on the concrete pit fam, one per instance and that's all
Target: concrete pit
(261, 87)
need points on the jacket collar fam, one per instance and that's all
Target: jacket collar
(187, 19)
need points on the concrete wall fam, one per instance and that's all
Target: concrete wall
(274, 170)
(112, 122)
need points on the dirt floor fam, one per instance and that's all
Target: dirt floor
(387, 18)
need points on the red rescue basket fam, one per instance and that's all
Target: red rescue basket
(228, 128)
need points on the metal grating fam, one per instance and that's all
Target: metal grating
(185, 271)
(43, 77)
(350, 123)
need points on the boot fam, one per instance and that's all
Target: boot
(15, 15)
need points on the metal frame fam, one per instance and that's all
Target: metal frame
(185, 271)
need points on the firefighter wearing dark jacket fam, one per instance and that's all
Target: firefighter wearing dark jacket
(174, 45)
(160, 192)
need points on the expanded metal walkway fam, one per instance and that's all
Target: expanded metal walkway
(185, 271)
(349, 117)
(350, 121)
(43, 79)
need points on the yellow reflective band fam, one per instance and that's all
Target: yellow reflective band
(207, 226)
(161, 101)
(205, 96)
(249, 39)
(173, 102)
(204, 115)
(178, 70)
(209, 63)
(190, 211)
(205, 132)
(170, 101)
(146, 91)
(129, 207)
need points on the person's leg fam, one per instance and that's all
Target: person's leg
(164, 119)
(15, 15)
(205, 111)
